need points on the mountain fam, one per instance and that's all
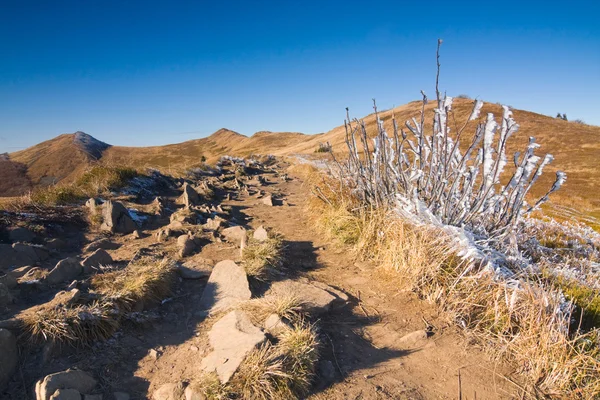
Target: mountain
(576, 149)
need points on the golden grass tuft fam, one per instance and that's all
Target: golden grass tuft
(79, 324)
(209, 385)
(263, 260)
(287, 307)
(143, 281)
(299, 346)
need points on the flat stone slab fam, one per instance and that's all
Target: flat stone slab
(315, 300)
(69, 379)
(231, 338)
(226, 287)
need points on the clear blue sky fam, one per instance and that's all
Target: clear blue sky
(155, 72)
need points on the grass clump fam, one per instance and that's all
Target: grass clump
(143, 281)
(263, 259)
(56, 195)
(79, 324)
(287, 307)
(210, 387)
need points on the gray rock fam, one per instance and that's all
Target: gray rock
(116, 218)
(232, 338)
(226, 287)
(21, 254)
(136, 234)
(105, 244)
(275, 325)
(183, 216)
(69, 379)
(413, 339)
(9, 281)
(21, 234)
(189, 197)
(268, 200)
(234, 234)
(191, 393)
(6, 297)
(66, 394)
(169, 391)
(35, 252)
(186, 245)
(65, 270)
(189, 273)
(121, 396)
(92, 397)
(214, 223)
(56, 244)
(10, 356)
(97, 258)
(260, 234)
(315, 300)
(92, 204)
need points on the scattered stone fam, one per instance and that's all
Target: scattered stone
(21, 254)
(232, 338)
(65, 270)
(105, 244)
(261, 234)
(169, 391)
(10, 355)
(66, 394)
(226, 287)
(194, 348)
(9, 281)
(158, 206)
(268, 200)
(189, 273)
(121, 396)
(97, 258)
(136, 234)
(21, 234)
(214, 223)
(21, 271)
(92, 204)
(192, 393)
(234, 234)
(315, 300)
(116, 218)
(56, 244)
(189, 197)
(274, 325)
(5, 296)
(154, 354)
(69, 379)
(184, 216)
(186, 245)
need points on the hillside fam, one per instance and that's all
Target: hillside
(575, 147)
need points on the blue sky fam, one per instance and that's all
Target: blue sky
(154, 72)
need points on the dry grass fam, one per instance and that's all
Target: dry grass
(79, 324)
(287, 307)
(263, 259)
(143, 281)
(519, 324)
(210, 387)
(280, 371)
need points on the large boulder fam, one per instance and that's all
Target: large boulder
(116, 218)
(97, 258)
(10, 354)
(65, 270)
(226, 287)
(69, 379)
(232, 338)
(189, 197)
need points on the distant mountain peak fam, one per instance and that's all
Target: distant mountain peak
(89, 144)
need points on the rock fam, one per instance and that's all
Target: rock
(69, 379)
(121, 396)
(116, 218)
(186, 245)
(10, 356)
(9, 281)
(169, 391)
(183, 216)
(274, 325)
(97, 258)
(56, 244)
(21, 254)
(268, 200)
(66, 394)
(6, 297)
(189, 273)
(232, 338)
(261, 234)
(34, 252)
(92, 204)
(64, 298)
(189, 197)
(315, 300)
(214, 223)
(21, 234)
(136, 234)
(92, 397)
(226, 287)
(65, 270)
(413, 339)
(19, 272)
(105, 244)
(158, 206)
(234, 234)
(154, 354)
(191, 393)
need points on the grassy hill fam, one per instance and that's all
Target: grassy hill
(576, 148)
